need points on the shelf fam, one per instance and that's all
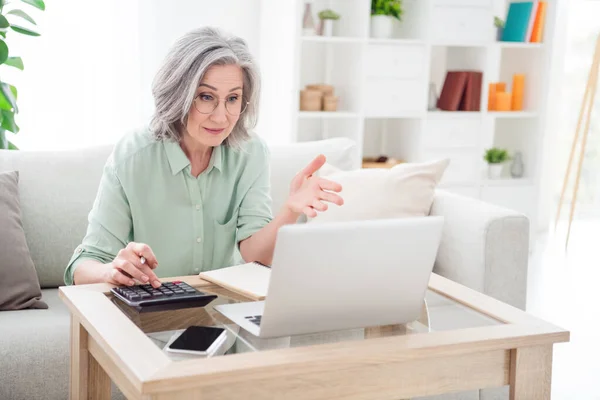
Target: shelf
(395, 41)
(454, 114)
(513, 114)
(519, 45)
(327, 114)
(507, 182)
(402, 115)
(332, 39)
(368, 163)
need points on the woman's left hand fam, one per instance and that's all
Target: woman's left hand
(309, 194)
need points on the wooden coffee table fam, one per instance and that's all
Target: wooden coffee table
(465, 341)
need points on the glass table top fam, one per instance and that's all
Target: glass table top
(440, 313)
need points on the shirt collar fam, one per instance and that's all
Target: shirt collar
(178, 160)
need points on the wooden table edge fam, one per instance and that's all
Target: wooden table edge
(523, 330)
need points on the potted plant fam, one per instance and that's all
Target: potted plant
(495, 158)
(383, 14)
(327, 18)
(499, 24)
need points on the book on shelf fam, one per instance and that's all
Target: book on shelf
(461, 91)
(525, 21)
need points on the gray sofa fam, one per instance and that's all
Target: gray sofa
(483, 247)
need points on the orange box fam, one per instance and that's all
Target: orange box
(517, 92)
(503, 101)
(492, 97)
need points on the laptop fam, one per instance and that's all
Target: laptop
(343, 275)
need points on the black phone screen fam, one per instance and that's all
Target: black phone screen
(196, 338)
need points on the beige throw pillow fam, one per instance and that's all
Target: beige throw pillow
(405, 190)
(19, 284)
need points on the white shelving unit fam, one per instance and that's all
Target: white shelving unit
(383, 87)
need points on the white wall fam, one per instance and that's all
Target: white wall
(87, 78)
(160, 26)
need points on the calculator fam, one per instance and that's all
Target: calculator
(169, 296)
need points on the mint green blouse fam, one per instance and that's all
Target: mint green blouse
(147, 194)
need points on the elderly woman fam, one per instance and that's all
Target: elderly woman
(191, 192)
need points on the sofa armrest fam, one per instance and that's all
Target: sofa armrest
(484, 247)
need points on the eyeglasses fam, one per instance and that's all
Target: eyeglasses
(207, 103)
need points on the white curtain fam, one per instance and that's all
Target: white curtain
(583, 27)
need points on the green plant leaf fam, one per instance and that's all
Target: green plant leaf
(16, 62)
(3, 51)
(24, 31)
(22, 14)
(8, 121)
(391, 8)
(36, 3)
(3, 140)
(4, 22)
(11, 146)
(328, 14)
(8, 100)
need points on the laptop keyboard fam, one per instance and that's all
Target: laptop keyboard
(254, 319)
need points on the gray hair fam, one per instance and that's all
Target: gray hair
(175, 84)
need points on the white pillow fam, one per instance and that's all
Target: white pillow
(405, 190)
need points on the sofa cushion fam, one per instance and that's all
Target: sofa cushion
(19, 285)
(405, 190)
(57, 190)
(35, 351)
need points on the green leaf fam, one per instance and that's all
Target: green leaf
(24, 31)
(391, 8)
(3, 51)
(8, 121)
(22, 14)
(3, 34)
(3, 22)
(16, 62)
(9, 95)
(36, 3)
(11, 146)
(3, 140)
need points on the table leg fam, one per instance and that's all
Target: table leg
(531, 373)
(87, 378)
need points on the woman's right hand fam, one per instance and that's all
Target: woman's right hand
(127, 267)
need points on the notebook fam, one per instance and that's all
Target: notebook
(251, 279)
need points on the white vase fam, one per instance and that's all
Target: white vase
(327, 27)
(382, 26)
(495, 171)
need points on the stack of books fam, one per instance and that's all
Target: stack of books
(525, 22)
(461, 91)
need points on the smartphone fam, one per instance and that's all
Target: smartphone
(198, 340)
